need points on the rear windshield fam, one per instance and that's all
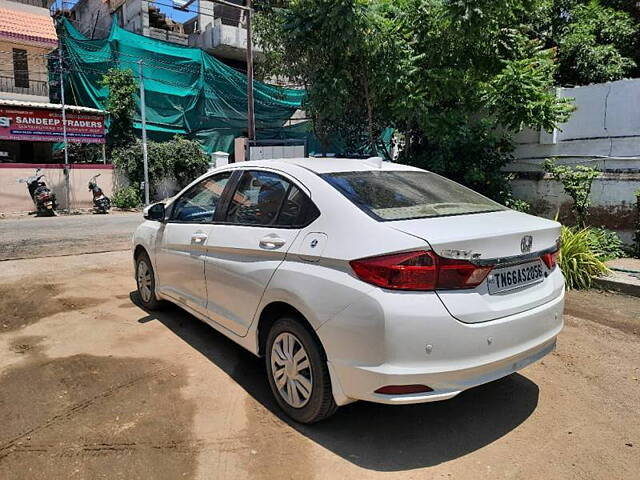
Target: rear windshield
(403, 195)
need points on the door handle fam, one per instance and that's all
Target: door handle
(198, 238)
(272, 243)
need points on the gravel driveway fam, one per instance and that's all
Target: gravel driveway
(92, 386)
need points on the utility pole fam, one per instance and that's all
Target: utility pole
(251, 119)
(143, 121)
(67, 187)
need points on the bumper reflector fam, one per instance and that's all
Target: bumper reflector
(403, 389)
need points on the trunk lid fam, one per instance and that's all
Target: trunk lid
(489, 237)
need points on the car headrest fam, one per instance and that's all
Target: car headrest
(270, 191)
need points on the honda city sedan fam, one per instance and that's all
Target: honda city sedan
(356, 279)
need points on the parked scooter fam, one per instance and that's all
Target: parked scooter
(43, 198)
(101, 203)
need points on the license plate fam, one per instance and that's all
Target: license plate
(516, 276)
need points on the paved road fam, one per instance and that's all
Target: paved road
(92, 386)
(33, 237)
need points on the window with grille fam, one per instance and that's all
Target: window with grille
(20, 68)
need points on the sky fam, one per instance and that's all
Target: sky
(175, 14)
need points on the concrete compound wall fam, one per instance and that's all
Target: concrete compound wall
(603, 132)
(14, 196)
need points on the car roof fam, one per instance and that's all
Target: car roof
(322, 165)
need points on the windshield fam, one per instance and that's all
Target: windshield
(404, 195)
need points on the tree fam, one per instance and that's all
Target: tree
(596, 41)
(335, 49)
(456, 78)
(597, 45)
(473, 78)
(121, 106)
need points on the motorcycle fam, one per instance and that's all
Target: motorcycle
(101, 203)
(43, 198)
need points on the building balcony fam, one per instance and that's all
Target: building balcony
(35, 90)
(223, 40)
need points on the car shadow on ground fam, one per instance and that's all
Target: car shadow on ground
(373, 436)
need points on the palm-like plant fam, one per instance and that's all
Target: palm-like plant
(577, 259)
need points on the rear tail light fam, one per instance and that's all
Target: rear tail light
(421, 270)
(551, 259)
(460, 274)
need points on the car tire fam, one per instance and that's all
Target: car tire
(290, 378)
(146, 283)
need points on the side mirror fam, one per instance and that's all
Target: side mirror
(154, 212)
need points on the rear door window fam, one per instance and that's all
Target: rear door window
(258, 198)
(266, 198)
(404, 195)
(297, 210)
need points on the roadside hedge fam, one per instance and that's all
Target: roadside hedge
(172, 165)
(128, 197)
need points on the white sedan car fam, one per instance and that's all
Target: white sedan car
(356, 279)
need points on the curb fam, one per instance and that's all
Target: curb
(618, 285)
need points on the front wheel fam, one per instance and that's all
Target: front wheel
(146, 282)
(298, 373)
(45, 212)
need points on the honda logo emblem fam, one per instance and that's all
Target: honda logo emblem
(526, 243)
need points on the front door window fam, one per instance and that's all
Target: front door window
(198, 204)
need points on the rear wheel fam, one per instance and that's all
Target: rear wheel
(146, 282)
(44, 212)
(298, 373)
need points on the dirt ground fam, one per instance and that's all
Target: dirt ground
(92, 386)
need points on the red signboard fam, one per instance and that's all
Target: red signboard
(43, 125)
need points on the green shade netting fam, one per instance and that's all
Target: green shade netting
(187, 91)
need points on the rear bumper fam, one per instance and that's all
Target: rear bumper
(461, 356)
(446, 384)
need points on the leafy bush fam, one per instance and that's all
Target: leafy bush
(189, 161)
(578, 260)
(179, 160)
(471, 155)
(128, 197)
(518, 205)
(577, 182)
(606, 243)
